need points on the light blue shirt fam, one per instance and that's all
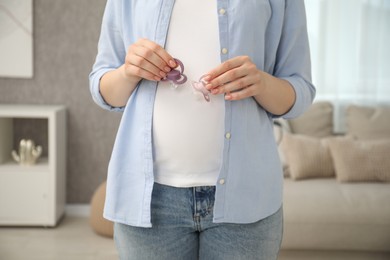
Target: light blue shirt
(249, 188)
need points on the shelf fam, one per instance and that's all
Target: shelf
(42, 165)
(33, 194)
(28, 111)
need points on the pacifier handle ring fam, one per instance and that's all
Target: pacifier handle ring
(181, 65)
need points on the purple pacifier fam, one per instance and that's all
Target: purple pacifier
(176, 76)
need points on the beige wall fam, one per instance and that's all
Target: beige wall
(65, 40)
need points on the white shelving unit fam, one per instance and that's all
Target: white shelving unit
(33, 195)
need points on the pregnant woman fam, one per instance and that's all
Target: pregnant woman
(195, 172)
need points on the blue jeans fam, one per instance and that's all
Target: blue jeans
(183, 230)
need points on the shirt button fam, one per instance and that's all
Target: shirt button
(228, 135)
(224, 51)
(222, 181)
(222, 11)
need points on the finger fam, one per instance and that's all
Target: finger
(144, 64)
(160, 51)
(151, 57)
(142, 73)
(224, 67)
(241, 94)
(227, 77)
(234, 85)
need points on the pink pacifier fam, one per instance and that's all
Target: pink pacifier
(201, 87)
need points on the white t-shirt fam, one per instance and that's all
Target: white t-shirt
(187, 130)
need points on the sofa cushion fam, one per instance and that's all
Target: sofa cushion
(281, 126)
(356, 160)
(368, 122)
(326, 214)
(317, 121)
(307, 157)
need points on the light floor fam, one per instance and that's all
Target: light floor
(72, 239)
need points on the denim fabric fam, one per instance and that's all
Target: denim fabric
(183, 229)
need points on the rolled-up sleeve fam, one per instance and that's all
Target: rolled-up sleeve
(293, 58)
(111, 51)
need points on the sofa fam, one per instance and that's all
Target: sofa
(336, 186)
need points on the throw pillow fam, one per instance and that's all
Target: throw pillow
(280, 127)
(356, 160)
(317, 121)
(307, 157)
(368, 122)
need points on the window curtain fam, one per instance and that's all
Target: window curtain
(350, 49)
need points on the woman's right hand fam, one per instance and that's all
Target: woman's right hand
(146, 59)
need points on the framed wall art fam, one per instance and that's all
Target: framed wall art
(16, 38)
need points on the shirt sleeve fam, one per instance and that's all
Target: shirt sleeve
(111, 51)
(293, 57)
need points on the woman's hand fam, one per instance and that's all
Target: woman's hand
(146, 59)
(239, 78)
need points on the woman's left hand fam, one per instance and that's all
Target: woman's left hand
(237, 78)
